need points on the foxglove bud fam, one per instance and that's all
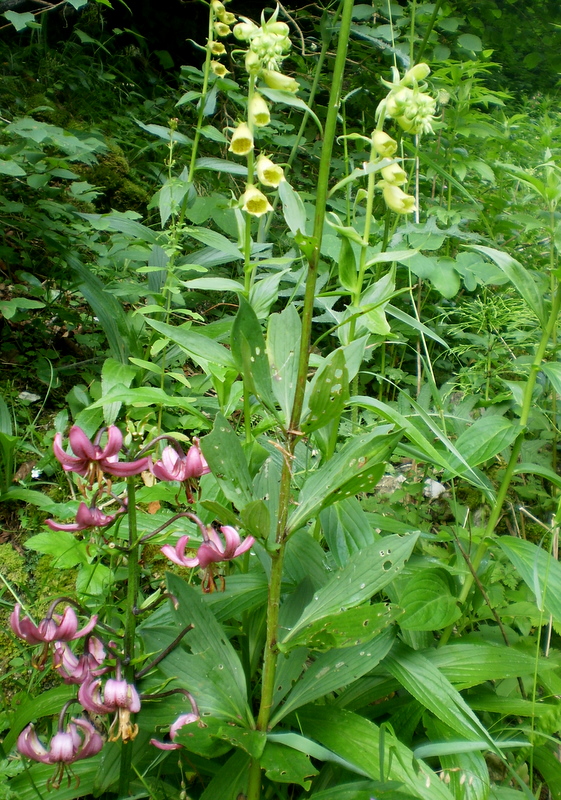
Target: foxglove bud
(417, 73)
(396, 199)
(217, 48)
(394, 174)
(276, 80)
(244, 31)
(384, 145)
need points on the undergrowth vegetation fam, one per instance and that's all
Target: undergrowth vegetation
(279, 423)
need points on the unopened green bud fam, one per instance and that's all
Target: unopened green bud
(394, 174)
(417, 73)
(259, 112)
(383, 144)
(396, 199)
(276, 80)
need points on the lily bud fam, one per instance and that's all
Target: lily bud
(396, 199)
(276, 80)
(254, 202)
(394, 174)
(383, 144)
(417, 73)
(259, 111)
(268, 172)
(242, 140)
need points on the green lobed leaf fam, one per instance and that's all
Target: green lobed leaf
(365, 574)
(67, 551)
(225, 456)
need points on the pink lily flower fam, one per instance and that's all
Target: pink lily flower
(213, 549)
(88, 453)
(65, 747)
(180, 722)
(86, 517)
(53, 628)
(118, 696)
(175, 465)
(74, 669)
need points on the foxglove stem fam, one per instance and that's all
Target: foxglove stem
(271, 652)
(248, 272)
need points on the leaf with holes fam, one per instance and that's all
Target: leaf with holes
(285, 765)
(328, 393)
(427, 602)
(226, 459)
(249, 352)
(283, 344)
(357, 467)
(352, 627)
(366, 573)
(335, 669)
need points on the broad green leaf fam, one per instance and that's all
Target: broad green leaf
(187, 97)
(210, 737)
(44, 704)
(334, 670)
(167, 134)
(466, 770)
(539, 571)
(24, 786)
(215, 240)
(242, 593)
(114, 374)
(427, 602)
(31, 496)
(212, 133)
(429, 686)
(553, 371)
(225, 456)
(144, 396)
(249, 352)
(470, 42)
(170, 198)
(214, 284)
(292, 207)
(285, 765)
(348, 275)
(231, 781)
(207, 638)
(5, 418)
(11, 168)
(347, 528)
(130, 227)
(329, 392)
(352, 627)
(520, 278)
(487, 436)
(221, 165)
(257, 519)
(357, 467)
(265, 292)
(366, 573)
(283, 343)
(200, 348)
(365, 790)
(67, 551)
(537, 469)
(547, 762)
(358, 742)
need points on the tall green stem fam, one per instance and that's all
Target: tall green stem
(271, 652)
(133, 583)
(202, 101)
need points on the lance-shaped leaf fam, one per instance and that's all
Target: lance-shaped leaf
(283, 344)
(200, 348)
(366, 573)
(249, 352)
(328, 393)
(335, 669)
(226, 459)
(357, 467)
(348, 275)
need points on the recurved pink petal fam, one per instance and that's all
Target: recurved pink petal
(24, 628)
(114, 442)
(247, 543)
(92, 743)
(232, 539)
(89, 695)
(177, 553)
(29, 745)
(124, 469)
(81, 446)
(208, 554)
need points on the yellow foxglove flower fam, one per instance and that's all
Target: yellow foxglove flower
(384, 145)
(276, 80)
(268, 172)
(396, 199)
(254, 202)
(227, 18)
(219, 69)
(217, 48)
(218, 7)
(221, 29)
(394, 174)
(242, 140)
(259, 111)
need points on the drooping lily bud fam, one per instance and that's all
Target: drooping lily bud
(242, 140)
